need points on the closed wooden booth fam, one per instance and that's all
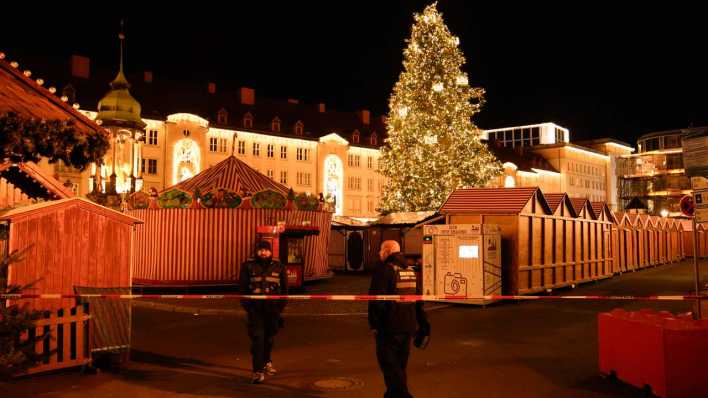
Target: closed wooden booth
(543, 246)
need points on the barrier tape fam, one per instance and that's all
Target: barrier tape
(344, 297)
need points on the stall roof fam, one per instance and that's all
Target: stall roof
(492, 200)
(346, 221)
(46, 207)
(232, 174)
(405, 218)
(27, 97)
(580, 203)
(33, 182)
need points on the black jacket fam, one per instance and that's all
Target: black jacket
(390, 316)
(263, 278)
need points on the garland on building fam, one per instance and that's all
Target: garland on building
(432, 146)
(29, 140)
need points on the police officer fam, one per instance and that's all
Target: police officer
(263, 276)
(394, 323)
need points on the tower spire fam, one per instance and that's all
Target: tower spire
(120, 81)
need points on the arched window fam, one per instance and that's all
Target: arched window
(374, 139)
(248, 120)
(299, 128)
(509, 182)
(222, 117)
(275, 125)
(355, 136)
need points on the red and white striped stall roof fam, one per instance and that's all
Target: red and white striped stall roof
(232, 174)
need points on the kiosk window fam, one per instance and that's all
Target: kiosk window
(296, 250)
(469, 251)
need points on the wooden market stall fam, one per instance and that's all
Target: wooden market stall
(68, 243)
(544, 247)
(187, 242)
(71, 242)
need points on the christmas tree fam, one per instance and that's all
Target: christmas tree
(432, 146)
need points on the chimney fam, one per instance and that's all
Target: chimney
(80, 66)
(212, 88)
(365, 116)
(248, 96)
(293, 101)
(321, 107)
(147, 76)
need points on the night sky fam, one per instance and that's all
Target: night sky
(596, 69)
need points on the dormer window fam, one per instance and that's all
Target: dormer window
(222, 117)
(248, 120)
(275, 125)
(374, 139)
(299, 128)
(355, 136)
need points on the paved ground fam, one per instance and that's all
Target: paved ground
(529, 349)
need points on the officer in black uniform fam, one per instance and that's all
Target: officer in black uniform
(395, 323)
(263, 276)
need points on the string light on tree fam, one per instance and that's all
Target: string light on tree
(432, 146)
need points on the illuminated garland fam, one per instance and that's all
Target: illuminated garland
(29, 140)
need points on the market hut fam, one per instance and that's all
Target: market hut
(199, 231)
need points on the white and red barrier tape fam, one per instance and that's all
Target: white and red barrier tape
(344, 297)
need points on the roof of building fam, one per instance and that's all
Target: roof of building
(524, 159)
(233, 174)
(604, 140)
(687, 130)
(33, 182)
(19, 213)
(492, 200)
(28, 98)
(162, 97)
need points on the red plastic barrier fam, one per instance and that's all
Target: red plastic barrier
(667, 352)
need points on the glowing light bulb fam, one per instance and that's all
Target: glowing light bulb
(437, 87)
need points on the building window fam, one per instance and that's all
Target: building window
(354, 160)
(299, 128)
(222, 117)
(370, 185)
(213, 143)
(303, 179)
(275, 125)
(535, 136)
(270, 173)
(256, 149)
(374, 140)
(560, 135)
(355, 183)
(283, 177)
(283, 152)
(242, 147)
(303, 154)
(370, 162)
(152, 137)
(248, 120)
(223, 144)
(355, 136)
(271, 150)
(152, 166)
